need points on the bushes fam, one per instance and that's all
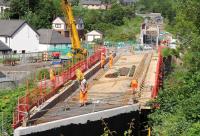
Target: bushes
(179, 105)
(45, 73)
(8, 101)
(10, 61)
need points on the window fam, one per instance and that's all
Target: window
(1, 9)
(23, 51)
(15, 51)
(6, 39)
(58, 25)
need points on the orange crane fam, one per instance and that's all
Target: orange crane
(77, 50)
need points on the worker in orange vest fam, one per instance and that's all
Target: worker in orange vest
(110, 60)
(103, 60)
(52, 76)
(134, 85)
(83, 92)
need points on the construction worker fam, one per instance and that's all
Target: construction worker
(103, 60)
(52, 74)
(134, 85)
(83, 92)
(110, 60)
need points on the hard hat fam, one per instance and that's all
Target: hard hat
(84, 81)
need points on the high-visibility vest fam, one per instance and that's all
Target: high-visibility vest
(103, 59)
(134, 84)
(52, 76)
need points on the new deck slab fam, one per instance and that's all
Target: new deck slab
(105, 93)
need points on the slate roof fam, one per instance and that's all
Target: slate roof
(2, 75)
(90, 2)
(49, 36)
(4, 47)
(78, 20)
(89, 33)
(9, 27)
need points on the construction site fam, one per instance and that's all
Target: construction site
(93, 90)
(109, 96)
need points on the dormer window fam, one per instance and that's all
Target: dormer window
(58, 25)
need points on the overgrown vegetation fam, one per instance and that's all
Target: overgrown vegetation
(179, 110)
(8, 101)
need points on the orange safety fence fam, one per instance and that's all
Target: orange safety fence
(158, 76)
(47, 89)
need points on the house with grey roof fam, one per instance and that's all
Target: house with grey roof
(94, 4)
(60, 26)
(3, 6)
(128, 2)
(52, 41)
(19, 36)
(94, 35)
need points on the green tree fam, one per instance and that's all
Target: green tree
(18, 8)
(179, 100)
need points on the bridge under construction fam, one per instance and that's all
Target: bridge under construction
(109, 94)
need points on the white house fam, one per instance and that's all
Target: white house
(60, 26)
(19, 36)
(94, 4)
(95, 34)
(3, 6)
(51, 40)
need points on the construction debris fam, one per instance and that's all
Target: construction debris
(124, 71)
(112, 75)
(132, 71)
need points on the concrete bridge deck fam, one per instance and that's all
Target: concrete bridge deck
(104, 93)
(107, 93)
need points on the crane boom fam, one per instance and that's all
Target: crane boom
(69, 18)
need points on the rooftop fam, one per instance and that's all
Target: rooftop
(49, 36)
(90, 2)
(78, 20)
(94, 32)
(4, 47)
(9, 27)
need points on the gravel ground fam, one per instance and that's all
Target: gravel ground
(25, 67)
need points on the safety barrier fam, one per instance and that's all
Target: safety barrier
(158, 77)
(42, 92)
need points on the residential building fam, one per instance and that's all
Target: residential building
(19, 36)
(128, 2)
(94, 4)
(60, 26)
(4, 49)
(95, 34)
(157, 17)
(3, 6)
(53, 41)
